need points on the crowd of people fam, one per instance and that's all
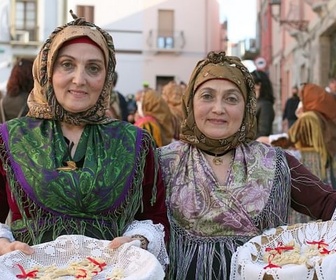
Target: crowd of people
(19, 85)
(186, 176)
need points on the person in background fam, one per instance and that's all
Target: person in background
(145, 86)
(331, 87)
(118, 105)
(265, 101)
(183, 86)
(67, 168)
(314, 133)
(222, 186)
(289, 116)
(172, 94)
(153, 115)
(19, 85)
(131, 107)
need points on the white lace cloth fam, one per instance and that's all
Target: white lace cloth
(247, 261)
(134, 262)
(154, 234)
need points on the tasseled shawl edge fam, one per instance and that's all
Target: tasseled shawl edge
(47, 226)
(184, 247)
(306, 133)
(149, 144)
(276, 210)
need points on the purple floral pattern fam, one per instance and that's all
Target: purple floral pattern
(204, 208)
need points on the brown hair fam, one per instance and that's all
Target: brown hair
(21, 78)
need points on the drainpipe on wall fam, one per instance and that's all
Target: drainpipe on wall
(62, 12)
(206, 28)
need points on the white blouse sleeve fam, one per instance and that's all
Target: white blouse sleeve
(5, 232)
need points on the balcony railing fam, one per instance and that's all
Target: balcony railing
(159, 41)
(316, 2)
(295, 20)
(317, 5)
(19, 37)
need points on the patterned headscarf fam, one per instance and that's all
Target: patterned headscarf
(217, 65)
(172, 93)
(42, 101)
(154, 105)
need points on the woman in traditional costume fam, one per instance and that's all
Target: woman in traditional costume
(172, 93)
(223, 187)
(314, 133)
(153, 115)
(67, 168)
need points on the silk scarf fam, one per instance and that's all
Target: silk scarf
(35, 149)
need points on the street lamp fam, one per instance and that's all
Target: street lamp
(293, 19)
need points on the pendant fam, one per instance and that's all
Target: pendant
(217, 160)
(71, 165)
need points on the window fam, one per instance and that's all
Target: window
(165, 38)
(25, 20)
(165, 42)
(87, 12)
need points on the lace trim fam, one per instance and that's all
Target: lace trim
(333, 218)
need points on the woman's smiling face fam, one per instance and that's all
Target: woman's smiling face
(218, 108)
(78, 76)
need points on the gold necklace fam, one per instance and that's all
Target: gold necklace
(70, 164)
(217, 159)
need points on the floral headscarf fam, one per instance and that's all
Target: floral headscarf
(217, 65)
(42, 101)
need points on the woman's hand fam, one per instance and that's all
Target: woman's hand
(6, 247)
(118, 241)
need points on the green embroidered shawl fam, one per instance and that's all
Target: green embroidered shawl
(88, 200)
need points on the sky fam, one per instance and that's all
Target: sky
(241, 16)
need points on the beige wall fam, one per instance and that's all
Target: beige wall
(201, 29)
(133, 25)
(301, 55)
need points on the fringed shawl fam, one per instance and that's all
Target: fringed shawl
(88, 200)
(150, 124)
(209, 221)
(314, 132)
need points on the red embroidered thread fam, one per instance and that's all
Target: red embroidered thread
(25, 275)
(279, 250)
